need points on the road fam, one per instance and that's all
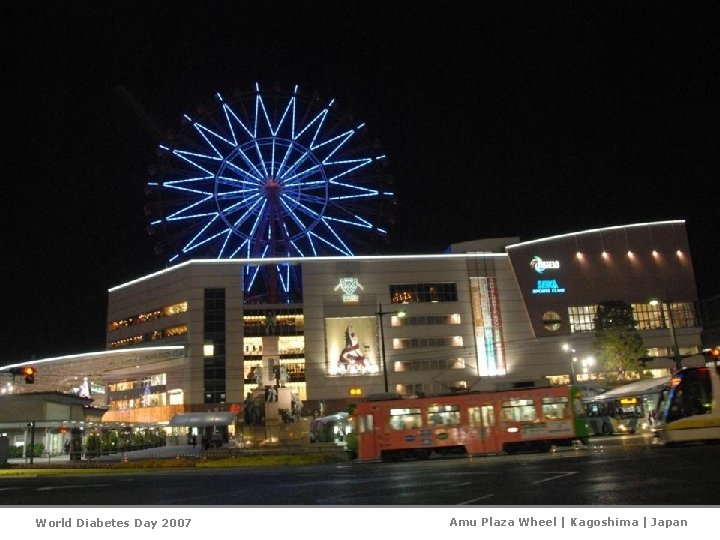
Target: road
(623, 470)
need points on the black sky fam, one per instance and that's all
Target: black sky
(499, 118)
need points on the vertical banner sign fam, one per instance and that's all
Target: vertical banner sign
(487, 326)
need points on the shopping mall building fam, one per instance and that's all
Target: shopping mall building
(183, 339)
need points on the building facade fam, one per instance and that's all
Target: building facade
(495, 309)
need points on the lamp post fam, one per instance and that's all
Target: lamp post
(573, 376)
(380, 314)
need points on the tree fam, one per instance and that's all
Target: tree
(617, 342)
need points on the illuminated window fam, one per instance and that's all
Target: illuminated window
(443, 415)
(518, 410)
(556, 407)
(167, 311)
(405, 419)
(483, 416)
(423, 292)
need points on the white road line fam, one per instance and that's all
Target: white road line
(470, 501)
(557, 475)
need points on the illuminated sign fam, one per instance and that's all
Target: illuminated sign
(547, 286)
(349, 287)
(537, 264)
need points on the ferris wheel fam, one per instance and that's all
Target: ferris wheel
(268, 176)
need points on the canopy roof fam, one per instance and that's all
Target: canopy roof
(637, 388)
(203, 419)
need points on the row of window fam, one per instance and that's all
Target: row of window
(647, 316)
(152, 336)
(283, 322)
(511, 410)
(139, 318)
(423, 292)
(422, 343)
(427, 320)
(429, 364)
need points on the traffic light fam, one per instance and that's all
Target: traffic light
(26, 371)
(29, 373)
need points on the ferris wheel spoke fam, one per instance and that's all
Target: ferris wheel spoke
(256, 182)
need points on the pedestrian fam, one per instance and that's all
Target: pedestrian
(193, 440)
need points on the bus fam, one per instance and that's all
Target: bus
(689, 409)
(627, 409)
(523, 419)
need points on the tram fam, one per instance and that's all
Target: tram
(689, 410)
(523, 419)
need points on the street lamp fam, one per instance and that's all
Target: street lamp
(573, 377)
(380, 313)
(674, 344)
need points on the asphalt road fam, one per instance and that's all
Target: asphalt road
(625, 470)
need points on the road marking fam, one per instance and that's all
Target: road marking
(557, 475)
(470, 501)
(84, 486)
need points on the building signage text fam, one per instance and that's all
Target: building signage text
(540, 266)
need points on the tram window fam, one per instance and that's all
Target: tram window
(481, 416)
(518, 410)
(555, 407)
(366, 423)
(405, 418)
(443, 415)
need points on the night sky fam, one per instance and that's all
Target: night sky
(499, 119)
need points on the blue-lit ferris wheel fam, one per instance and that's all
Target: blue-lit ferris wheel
(268, 176)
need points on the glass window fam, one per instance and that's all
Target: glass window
(366, 423)
(443, 415)
(405, 418)
(483, 416)
(518, 410)
(556, 407)
(406, 293)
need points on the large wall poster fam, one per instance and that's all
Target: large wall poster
(352, 346)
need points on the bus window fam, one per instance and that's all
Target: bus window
(630, 408)
(443, 415)
(555, 407)
(405, 418)
(695, 399)
(518, 410)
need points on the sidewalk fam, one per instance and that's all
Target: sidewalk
(161, 452)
